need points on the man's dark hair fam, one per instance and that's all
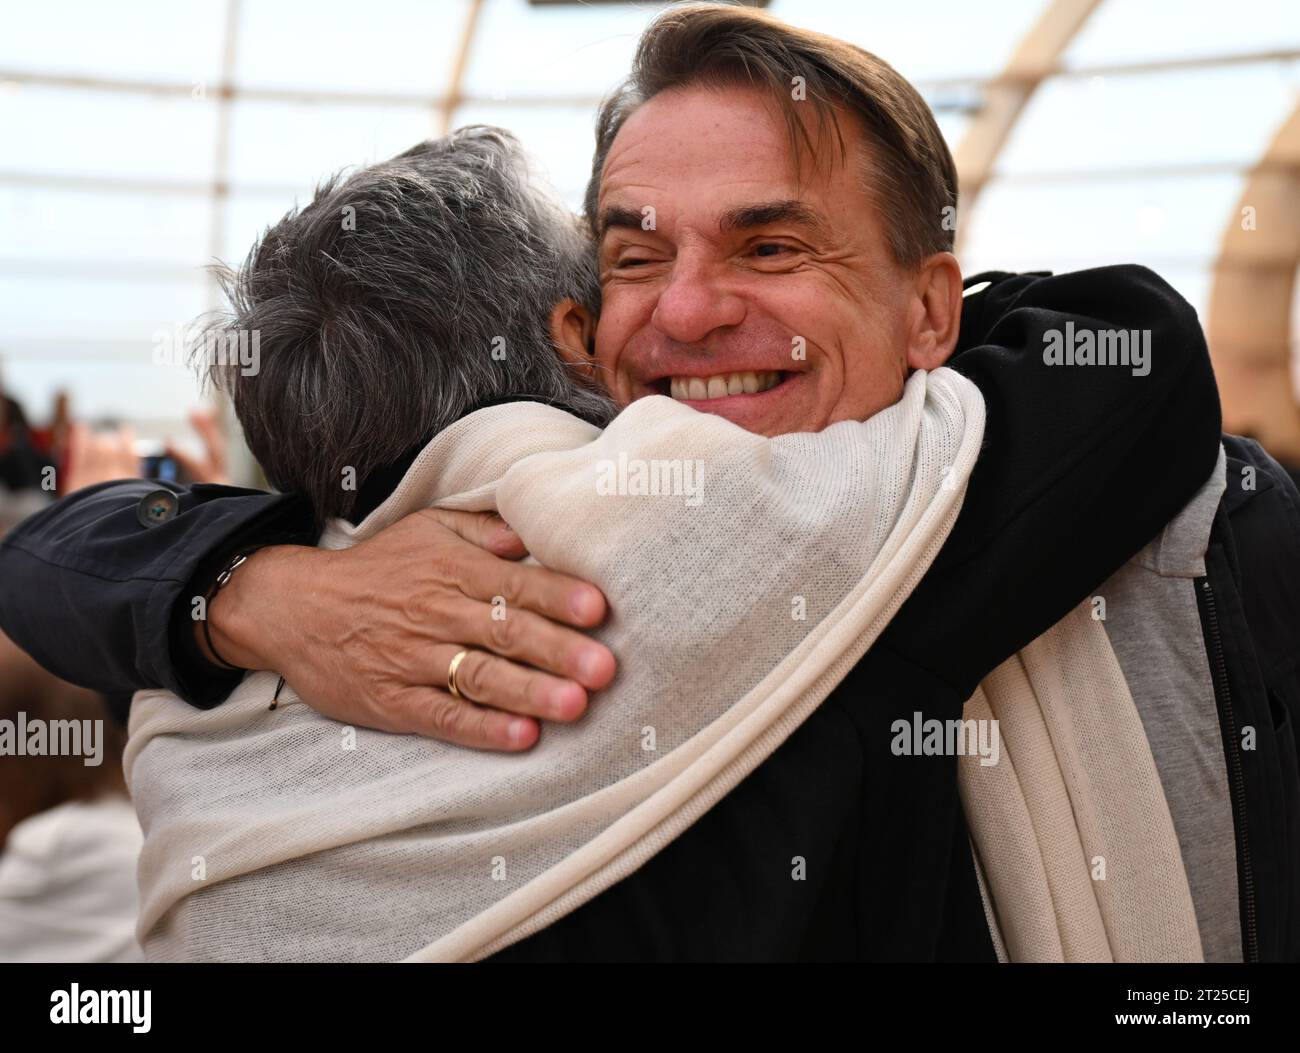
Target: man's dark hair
(400, 298)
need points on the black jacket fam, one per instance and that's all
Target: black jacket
(1082, 466)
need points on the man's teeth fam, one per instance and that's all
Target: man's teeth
(722, 385)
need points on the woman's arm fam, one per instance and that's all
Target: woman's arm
(99, 592)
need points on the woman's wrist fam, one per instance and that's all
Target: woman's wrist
(241, 614)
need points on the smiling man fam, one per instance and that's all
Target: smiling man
(771, 292)
(769, 209)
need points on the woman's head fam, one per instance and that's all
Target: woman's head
(399, 299)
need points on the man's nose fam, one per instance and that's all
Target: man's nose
(695, 303)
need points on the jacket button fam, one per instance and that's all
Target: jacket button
(157, 507)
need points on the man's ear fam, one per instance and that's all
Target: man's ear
(573, 334)
(936, 312)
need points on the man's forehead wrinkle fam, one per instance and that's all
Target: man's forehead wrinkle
(652, 138)
(656, 164)
(644, 167)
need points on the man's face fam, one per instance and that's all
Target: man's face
(770, 301)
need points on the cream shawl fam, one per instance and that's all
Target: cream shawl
(745, 575)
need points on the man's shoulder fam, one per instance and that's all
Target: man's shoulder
(1252, 474)
(1259, 519)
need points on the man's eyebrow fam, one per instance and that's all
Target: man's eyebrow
(765, 213)
(617, 216)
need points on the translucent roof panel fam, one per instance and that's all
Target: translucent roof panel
(113, 147)
(1170, 219)
(581, 51)
(1173, 118)
(145, 40)
(1171, 224)
(975, 42)
(562, 50)
(1132, 31)
(48, 226)
(382, 47)
(77, 132)
(100, 309)
(106, 335)
(560, 139)
(1142, 167)
(298, 144)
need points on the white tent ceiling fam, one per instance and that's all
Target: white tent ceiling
(142, 140)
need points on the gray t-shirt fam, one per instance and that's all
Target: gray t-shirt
(1155, 629)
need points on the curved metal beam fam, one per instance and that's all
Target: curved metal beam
(1006, 95)
(1249, 323)
(454, 96)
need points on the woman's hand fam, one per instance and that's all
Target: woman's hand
(366, 635)
(211, 467)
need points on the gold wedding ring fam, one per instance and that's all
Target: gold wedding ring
(451, 673)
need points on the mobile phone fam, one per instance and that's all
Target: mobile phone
(155, 463)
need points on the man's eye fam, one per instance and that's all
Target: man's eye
(770, 248)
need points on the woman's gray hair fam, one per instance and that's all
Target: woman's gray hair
(399, 299)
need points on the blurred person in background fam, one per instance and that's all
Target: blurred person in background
(27, 475)
(101, 455)
(69, 838)
(23, 463)
(53, 438)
